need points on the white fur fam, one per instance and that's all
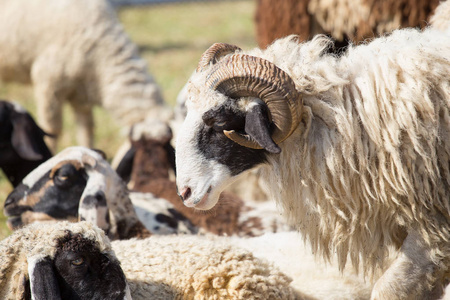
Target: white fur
(368, 158)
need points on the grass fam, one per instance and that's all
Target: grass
(171, 38)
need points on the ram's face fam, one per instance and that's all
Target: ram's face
(240, 108)
(207, 161)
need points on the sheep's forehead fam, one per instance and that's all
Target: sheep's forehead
(71, 153)
(43, 237)
(200, 97)
(151, 129)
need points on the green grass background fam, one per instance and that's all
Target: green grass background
(171, 38)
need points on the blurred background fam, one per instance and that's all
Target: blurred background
(171, 36)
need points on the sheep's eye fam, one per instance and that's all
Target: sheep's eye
(219, 127)
(77, 262)
(66, 176)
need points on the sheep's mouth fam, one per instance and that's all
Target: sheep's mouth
(15, 211)
(14, 222)
(199, 203)
(14, 214)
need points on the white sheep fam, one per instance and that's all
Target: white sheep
(198, 267)
(76, 51)
(60, 261)
(354, 148)
(312, 278)
(217, 267)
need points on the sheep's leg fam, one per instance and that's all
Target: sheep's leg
(411, 275)
(47, 85)
(85, 125)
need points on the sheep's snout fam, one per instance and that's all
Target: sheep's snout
(185, 193)
(12, 208)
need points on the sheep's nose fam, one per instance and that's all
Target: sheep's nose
(185, 194)
(9, 201)
(99, 199)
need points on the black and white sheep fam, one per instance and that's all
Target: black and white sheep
(79, 184)
(60, 261)
(76, 51)
(22, 145)
(355, 148)
(149, 165)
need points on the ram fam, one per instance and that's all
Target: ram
(60, 261)
(355, 148)
(149, 165)
(76, 51)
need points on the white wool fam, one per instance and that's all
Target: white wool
(198, 267)
(368, 163)
(151, 128)
(441, 18)
(311, 276)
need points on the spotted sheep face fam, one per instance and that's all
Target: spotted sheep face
(73, 184)
(78, 184)
(240, 108)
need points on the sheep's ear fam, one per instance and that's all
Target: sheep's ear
(101, 152)
(25, 136)
(43, 281)
(170, 155)
(88, 160)
(257, 125)
(126, 164)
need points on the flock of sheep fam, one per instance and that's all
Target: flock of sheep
(348, 153)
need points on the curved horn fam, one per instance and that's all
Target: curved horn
(242, 75)
(214, 53)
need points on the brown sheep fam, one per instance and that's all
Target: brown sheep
(344, 20)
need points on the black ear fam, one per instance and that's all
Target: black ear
(126, 164)
(43, 280)
(257, 125)
(171, 155)
(27, 137)
(101, 152)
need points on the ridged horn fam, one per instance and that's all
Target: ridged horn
(242, 75)
(214, 53)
